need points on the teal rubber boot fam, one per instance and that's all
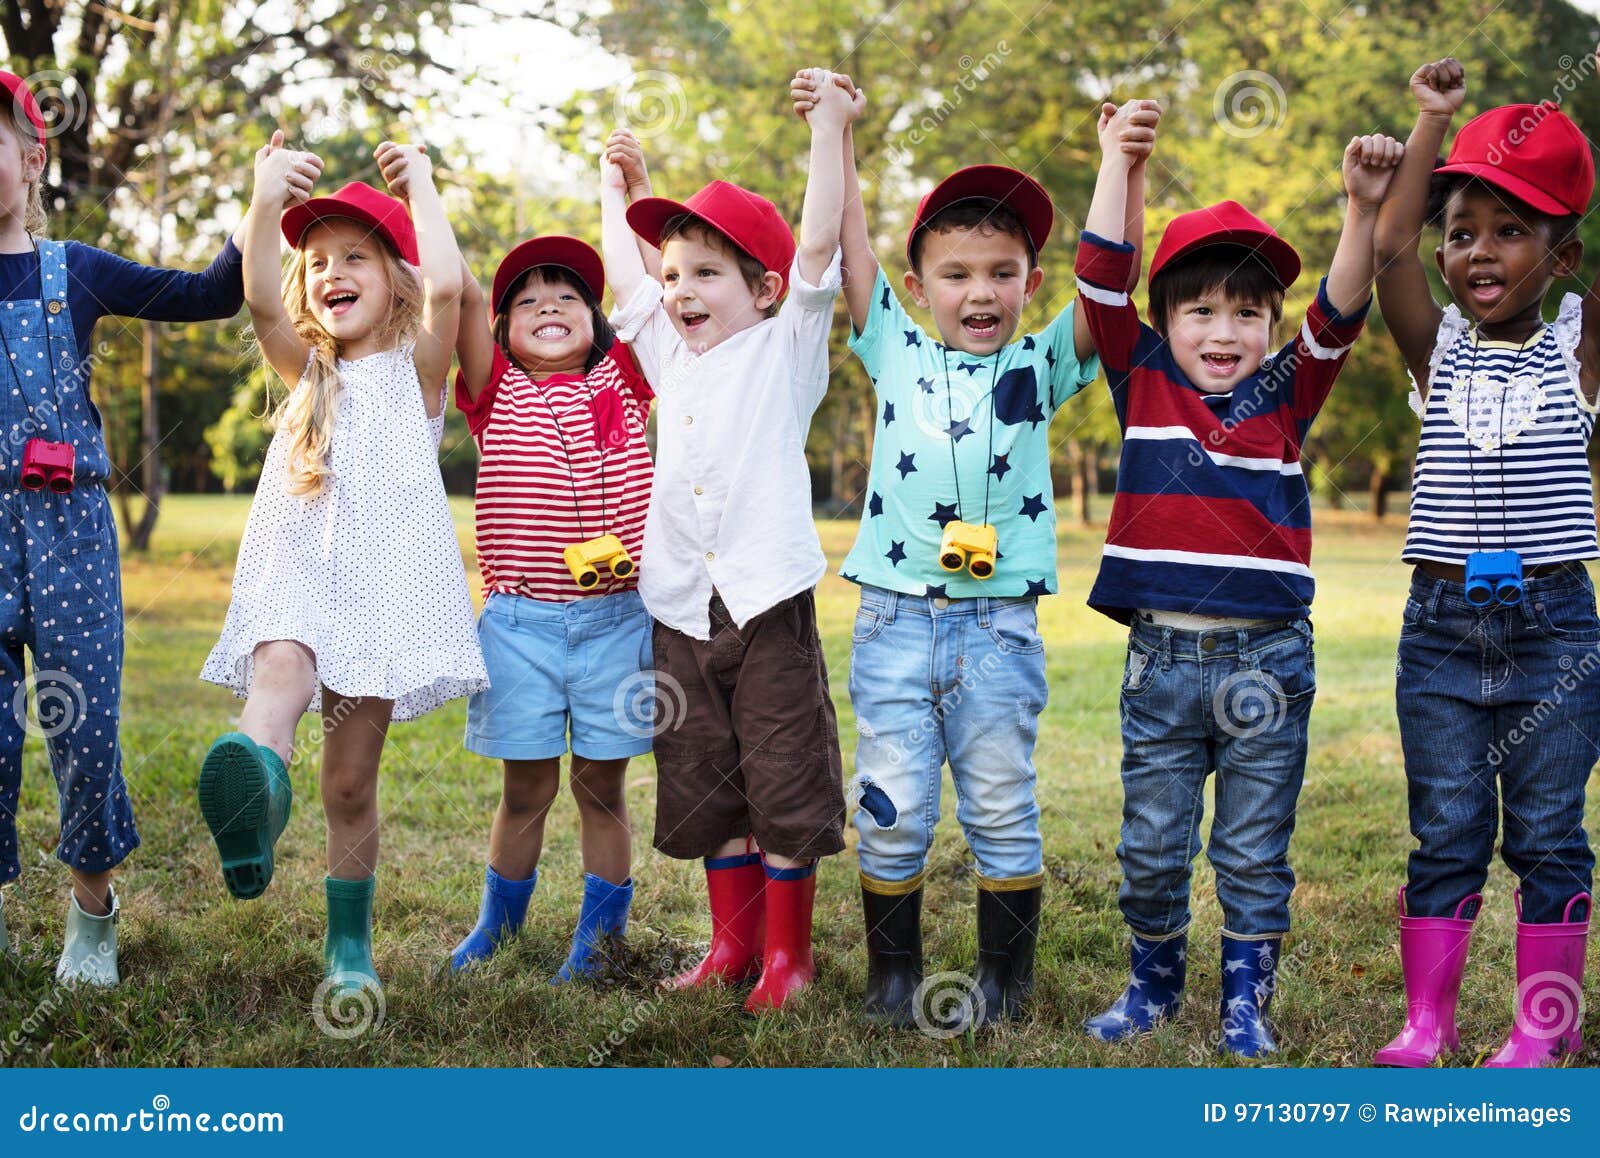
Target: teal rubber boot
(245, 797)
(89, 956)
(347, 952)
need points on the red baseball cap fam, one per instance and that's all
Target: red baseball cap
(751, 222)
(359, 202)
(1010, 187)
(22, 95)
(1533, 152)
(567, 252)
(1226, 223)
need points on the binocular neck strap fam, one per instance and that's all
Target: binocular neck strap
(949, 406)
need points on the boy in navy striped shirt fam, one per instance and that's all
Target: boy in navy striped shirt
(1207, 557)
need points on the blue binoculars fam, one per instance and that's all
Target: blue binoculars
(1494, 577)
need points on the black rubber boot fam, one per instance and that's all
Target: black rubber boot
(1008, 932)
(894, 955)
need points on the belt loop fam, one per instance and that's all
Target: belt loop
(1166, 648)
(1244, 642)
(891, 600)
(1431, 610)
(512, 601)
(983, 612)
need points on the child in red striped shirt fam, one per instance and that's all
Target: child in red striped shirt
(558, 409)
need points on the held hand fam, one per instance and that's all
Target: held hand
(403, 167)
(858, 98)
(1129, 130)
(623, 154)
(1440, 86)
(284, 177)
(1369, 165)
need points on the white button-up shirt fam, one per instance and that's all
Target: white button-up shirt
(731, 507)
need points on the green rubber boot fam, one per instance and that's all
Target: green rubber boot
(89, 956)
(245, 797)
(347, 952)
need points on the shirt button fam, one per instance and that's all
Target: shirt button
(1208, 644)
(710, 555)
(54, 307)
(688, 420)
(699, 490)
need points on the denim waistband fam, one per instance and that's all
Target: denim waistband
(888, 603)
(589, 609)
(1217, 642)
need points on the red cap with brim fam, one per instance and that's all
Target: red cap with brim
(567, 252)
(750, 221)
(1009, 187)
(357, 201)
(1533, 152)
(22, 96)
(1226, 223)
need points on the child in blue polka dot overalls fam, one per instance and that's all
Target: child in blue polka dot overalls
(60, 592)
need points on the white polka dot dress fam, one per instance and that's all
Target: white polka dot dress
(367, 574)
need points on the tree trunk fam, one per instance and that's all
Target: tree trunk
(1378, 490)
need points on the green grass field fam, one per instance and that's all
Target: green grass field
(212, 981)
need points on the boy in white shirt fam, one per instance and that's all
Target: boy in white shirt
(749, 772)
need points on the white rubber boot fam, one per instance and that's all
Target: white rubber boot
(90, 954)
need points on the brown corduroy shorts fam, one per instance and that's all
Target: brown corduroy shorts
(752, 744)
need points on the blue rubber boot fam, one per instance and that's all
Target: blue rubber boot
(1155, 989)
(604, 913)
(500, 915)
(347, 950)
(245, 798)
(1249, 975)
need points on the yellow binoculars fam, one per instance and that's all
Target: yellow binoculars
(585, 559)
(968, 547)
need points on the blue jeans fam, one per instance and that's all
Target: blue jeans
(1507, 694)
(1236, 702)
(937, 679)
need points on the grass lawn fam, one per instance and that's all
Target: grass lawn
(212, 981)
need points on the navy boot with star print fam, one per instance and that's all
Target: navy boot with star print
(1154, 990)
(1249, 973)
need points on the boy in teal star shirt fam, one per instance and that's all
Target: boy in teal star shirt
(946, 660)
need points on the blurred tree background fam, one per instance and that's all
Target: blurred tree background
(157, 108)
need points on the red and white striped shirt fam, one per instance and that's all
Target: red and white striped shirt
(563, 460)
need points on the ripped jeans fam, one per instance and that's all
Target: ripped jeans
(936, 679)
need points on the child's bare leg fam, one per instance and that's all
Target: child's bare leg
(93, 891)
(516, 838)
(597, 785)
(283, 679)
(355, 731)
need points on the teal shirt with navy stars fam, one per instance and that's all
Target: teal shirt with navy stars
(993, 413)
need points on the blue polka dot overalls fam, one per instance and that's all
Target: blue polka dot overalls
(60, 589)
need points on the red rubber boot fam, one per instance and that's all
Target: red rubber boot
(738, 914)
(787, 966)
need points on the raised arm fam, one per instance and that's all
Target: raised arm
(829, 118)
(474, 338)
(1116, 211)
(621, 248)
(409, 173)
(1404, 295)
(623, 150)
(282, 177)
(859, 269)
(1369, 167)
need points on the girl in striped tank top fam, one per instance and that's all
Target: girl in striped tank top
(558, 409)
(1498, 679)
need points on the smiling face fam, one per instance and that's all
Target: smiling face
(710, 294)
(549, 326)
(1218, 340)
(348, 289)
(1499, 258)
(975, 280)
(21, 165)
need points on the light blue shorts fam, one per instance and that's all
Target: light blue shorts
(584, 665)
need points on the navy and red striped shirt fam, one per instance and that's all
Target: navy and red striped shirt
(1212, 516)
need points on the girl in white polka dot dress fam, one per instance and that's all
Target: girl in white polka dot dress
(350, 596)
(61, 601)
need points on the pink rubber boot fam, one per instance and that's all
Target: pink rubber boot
(1433, 956)
(1549, 990)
